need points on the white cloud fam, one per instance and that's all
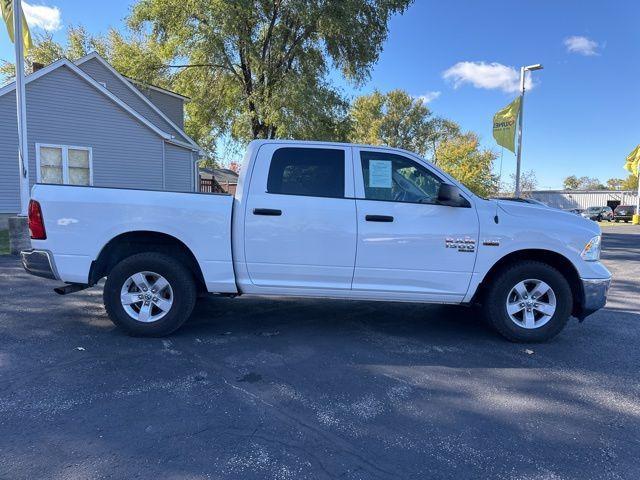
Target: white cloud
(486, 75)
(41, 16)
(429, 97)
(581, 45)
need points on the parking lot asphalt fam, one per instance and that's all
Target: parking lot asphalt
(293, 389)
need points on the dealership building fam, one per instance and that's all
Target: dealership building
(566, 199)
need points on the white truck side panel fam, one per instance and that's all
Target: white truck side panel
(80, 221)
(527, 227)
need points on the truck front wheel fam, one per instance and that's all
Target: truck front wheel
(528, 302)
(149, 294)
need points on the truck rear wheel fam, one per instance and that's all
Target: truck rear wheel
(528, 302)
(149, 294)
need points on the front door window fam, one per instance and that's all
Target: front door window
(395, 178)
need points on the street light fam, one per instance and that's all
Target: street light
(529, 68)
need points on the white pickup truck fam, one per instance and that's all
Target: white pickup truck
(314, 219)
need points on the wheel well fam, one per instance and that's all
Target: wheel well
(559, 262)
(131, 243)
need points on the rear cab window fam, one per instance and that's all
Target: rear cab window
(314, 172)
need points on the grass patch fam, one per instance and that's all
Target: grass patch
(4, 242)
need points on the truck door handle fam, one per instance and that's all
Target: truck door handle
(378, 218)
(267, 211)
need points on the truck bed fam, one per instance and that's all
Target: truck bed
(80, 221)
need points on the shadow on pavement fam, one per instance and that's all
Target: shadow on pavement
(281, 388)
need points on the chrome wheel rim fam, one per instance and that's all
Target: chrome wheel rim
(146, 296)
(531, 303)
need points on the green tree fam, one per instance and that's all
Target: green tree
(259, 68)
(395, 119)
(462, 157)
(441, 130)
(591, 183)
(46, 50)
(615, 183)
(583, 183)
(528, 183)
(630, 183)
(571, 183)
(399, 120)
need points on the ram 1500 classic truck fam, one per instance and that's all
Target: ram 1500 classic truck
(314, 219)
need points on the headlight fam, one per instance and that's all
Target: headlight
(591, 251)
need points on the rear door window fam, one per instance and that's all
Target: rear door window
(315, 172)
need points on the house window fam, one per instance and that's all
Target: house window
(64, 164)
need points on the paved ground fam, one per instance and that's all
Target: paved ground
(294, 389)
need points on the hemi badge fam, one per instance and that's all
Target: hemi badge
(491, 243)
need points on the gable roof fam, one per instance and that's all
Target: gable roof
(221, 175)
(225, 175)
(63, 62)
(157, 89)
(143, 97)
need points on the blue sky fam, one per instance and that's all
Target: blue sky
(581, 114)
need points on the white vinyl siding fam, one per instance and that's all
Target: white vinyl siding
(64, 164)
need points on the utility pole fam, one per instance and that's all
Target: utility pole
(636, 218)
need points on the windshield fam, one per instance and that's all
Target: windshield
(593, 209)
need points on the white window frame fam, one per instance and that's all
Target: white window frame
(65, 161)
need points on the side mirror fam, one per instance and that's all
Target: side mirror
(450, 195)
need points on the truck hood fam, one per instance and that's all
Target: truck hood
(547, 217)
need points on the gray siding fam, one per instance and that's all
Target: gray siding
(120, 89)
(9, 179)
(64, 109)
(172, 107)
(178, 168)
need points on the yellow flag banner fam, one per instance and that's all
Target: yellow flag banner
(504, 125)
(6, 6)
(632, 164)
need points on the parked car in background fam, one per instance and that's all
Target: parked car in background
(598, 214)
(576, 211)
(624, 212)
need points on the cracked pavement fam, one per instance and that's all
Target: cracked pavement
(256, 388)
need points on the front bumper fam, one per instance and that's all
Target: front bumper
(39, 263)
(594, 295)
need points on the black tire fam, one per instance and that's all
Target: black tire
(180, 279)
(495, 309)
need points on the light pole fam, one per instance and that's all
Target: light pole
(523, 70)
(636, 218)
